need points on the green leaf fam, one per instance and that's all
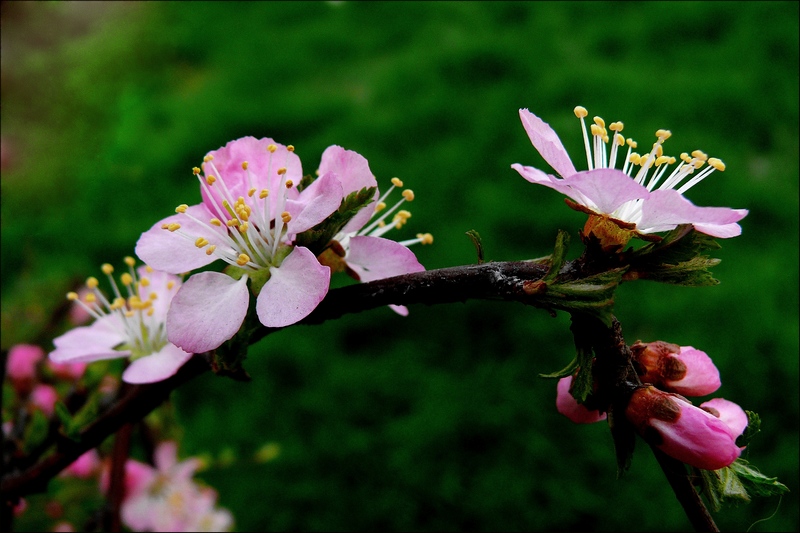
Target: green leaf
(317, 238)
(559, 256)
(37, 430)
(755, 482)
(593, 295)
(475, 237)
(737, 483)
(753, 428)
(564, 372)
(68, 426)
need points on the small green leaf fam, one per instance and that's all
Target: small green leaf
(68, 426)
(753, 427)
(564, 372)
(757, 483)
(475, 237)
(36, 431)
(737, 483)
(317, 238)
(593, 295)
(559, 256)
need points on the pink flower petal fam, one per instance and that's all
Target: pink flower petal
(207, 310)
(607, 188)
(173, 253)
(401, 310)
(730, 413)
(534, 175)
(91, 343)
(567, 405)
(293, 290)
(314, 204)
(22, 361)
(45, 398)
(352, 170)
(157, 366)
(546, 141)
(702, 376)
(667, 207)
(165, 456)
(378, 258)
(164, 285)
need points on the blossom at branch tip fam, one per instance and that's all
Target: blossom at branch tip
(132, 326)
(359, 247)
(681, 369)
(567, 405)
(166, 498)
(640, 197)
(251, 211)
(21, 365)
(699, 436)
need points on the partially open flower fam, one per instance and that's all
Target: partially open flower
(568, 406)
(688, 433)
(681, 369)
(132, 326)
(641, 198)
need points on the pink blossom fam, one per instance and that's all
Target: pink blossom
(132, 327)
(44, 397)
(67, 371)
(568, 406)
(365, 253)
(22, 361)
(681, 369)
(84, 466)
(681, 430)
(137, 476)
(169, 500)
(640, 196)
(77, 313)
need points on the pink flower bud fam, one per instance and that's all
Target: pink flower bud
(84, 466)
(44, 397)
(67, 371)
(680, 369)
(568, 406)
(730, 413)
(21, 365)
(681, 430)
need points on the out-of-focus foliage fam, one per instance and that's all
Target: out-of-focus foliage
(436, 421)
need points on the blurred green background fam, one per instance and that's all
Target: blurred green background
(437, 421)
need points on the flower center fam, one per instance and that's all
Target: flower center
(138, 322)
(249, 230)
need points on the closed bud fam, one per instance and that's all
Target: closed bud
(688, 433)
(568, 406)
(680, 369)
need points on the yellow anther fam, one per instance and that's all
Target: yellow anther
(151, 311)
(397, 182)
(661, 160)
(243, 227)
(263, 194)
(145, 282)
(685, 157)
(243, 259)
(245, 164)
(408, 194)
(282, 171)
(215, 222)
(380, 206)
(171, 283)
(580, 111)
(671, 160)
(174, 227)
(290, 148)
(697, 163)
(699, 154)
(716, 163)
(72, 296)
(90, 298)
(127, 279)
(208, 158)
(596, 130)
(619, 140)
(130, 261)
(209, 251)
(289, 184)
(107, 268)
(659, 151)
(251, 192)
(271, 148)
(210, 180)
(644, 159)
(427, 238)
(631, 143)
(403, 214)
(232, 222)
(200, 242)
(600, 122)
(316, 173)
(286, 217)
(153, 296)
(195, 171)
(118, 303)
(616, 126)
(164, 226)
(663, 135)
(181, 208)
(635, 158)
(92, 282)
(605, 138)
(129, 314)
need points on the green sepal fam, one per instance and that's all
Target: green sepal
(564, 372)
(592, 295)
(475, 237)
(559, 256)
(317, 238)
(736, 483)
(677, 259)
(753, 427)
(305, 181)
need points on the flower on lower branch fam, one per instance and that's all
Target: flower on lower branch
(640, 199)
(132, 326)
(266, 220)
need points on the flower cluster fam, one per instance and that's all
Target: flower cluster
(132, 326)
(704, 436)
(641, 198)
(269, 222)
